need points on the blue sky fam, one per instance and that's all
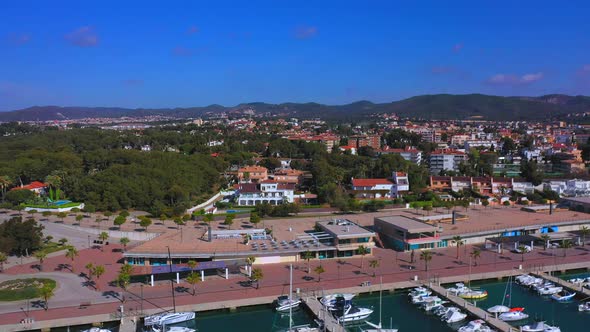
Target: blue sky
(196, 53)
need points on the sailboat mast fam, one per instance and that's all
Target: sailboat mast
(380, 298)
(290, 296)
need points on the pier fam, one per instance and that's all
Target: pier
(472, 309)
(564, 283)
(318, 310)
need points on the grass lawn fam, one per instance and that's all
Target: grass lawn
(50, 247)
(23, 289)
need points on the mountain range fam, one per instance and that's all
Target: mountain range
(439, 106)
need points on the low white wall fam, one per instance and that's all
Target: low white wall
(205, 204)
(68, 209)
(133, 236)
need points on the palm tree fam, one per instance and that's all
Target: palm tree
(192, 264)
(426, 256)
(193, 278)
(103, 237)
(71, 253)
(522, 250)
(566, 245)
(362, 250)
(3, 259)
(90, 268)
(308, 255)
(374, 264)
(40, 255)
(319, 270)
(458, 241)
(545, 239)
(256, 276)
(5, 183)
(46, 293)
(250, 261)
(124, 241)
(475, 253)
(584, 230)
(97, 271)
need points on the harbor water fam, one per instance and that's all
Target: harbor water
(399, 313)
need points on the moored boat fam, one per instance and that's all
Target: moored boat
(515, 314)
(539, 327)
(563, 296)
(158, 321)
(584, 306)
(453, 315)
(477, 325)
(285, 303)
(330, 300)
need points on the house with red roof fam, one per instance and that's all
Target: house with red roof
(36, 186)
(372, 188)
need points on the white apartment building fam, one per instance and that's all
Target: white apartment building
(447, 160)
(486, 144)
(267, 191)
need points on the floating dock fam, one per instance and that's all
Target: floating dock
(564, 283)
(330, 323)
(472, 309)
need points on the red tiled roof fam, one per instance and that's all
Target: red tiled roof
(32, 185)
(369, 182)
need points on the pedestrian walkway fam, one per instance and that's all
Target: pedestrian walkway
(330, 323)
(564, 283)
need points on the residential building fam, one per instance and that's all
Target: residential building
(35, 186)
(372, 188)
(486, 144)
(410, 154)
(401, 184)
(373, 141)
(267, 191)
(447, 160)
(252, 174)
(288, 176)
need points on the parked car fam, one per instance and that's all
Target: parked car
(524, 248)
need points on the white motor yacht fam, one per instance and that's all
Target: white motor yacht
(179, 329)
(96, 329)
(353, 313)
(432, 302)
(477, 325)
(515, 314)
(423, 299)
(539, 327)
(419, 291)
(284, 303)
(584, 306)
(453, 315)
(498, 309)
(329, 301)
(157, 321)
(563, 296)
(549, 290)
(458, 289)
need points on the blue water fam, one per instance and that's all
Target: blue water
(398, 312)
(61, 202)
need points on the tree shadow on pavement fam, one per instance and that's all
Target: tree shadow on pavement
(112, 294)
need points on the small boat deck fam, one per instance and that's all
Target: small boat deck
(331, 324)
(472, 309)
(564, 283)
